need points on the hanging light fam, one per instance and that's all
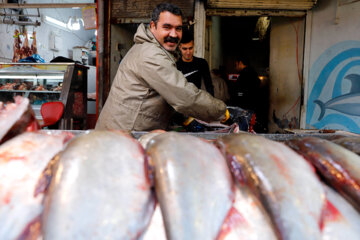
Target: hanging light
(55, 22)
(74, 23)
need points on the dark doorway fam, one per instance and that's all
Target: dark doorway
(246, 36)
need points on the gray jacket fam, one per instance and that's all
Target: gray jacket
(148, 87)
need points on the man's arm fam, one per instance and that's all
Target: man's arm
(162, 75)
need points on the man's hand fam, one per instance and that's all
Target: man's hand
(191, 125)
(240, 116)
(226, 117)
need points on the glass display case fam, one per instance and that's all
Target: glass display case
(46, 82)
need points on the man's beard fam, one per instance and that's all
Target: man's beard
(171, 39)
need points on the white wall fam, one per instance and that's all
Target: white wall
(122, 34)
(67, 39)
(334, 55)
(286, 48)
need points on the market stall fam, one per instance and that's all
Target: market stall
(48, 82)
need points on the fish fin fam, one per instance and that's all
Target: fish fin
(322, 108)
(329, 214)
(45, 179)
(32, 230)
(233, 220)
(355, 82)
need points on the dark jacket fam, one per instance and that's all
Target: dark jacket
(247, 88)
(195, 71)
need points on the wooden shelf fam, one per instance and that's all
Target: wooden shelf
(29, 91)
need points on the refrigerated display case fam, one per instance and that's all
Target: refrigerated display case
(47, 82)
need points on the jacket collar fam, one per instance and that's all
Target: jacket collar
(143, 34)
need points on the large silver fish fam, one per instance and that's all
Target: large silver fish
(352, 143)
(16, 118)
(156, 228)
(284, 182)
(340, 219)
(247, 219)
(100, 190)
(193, 185)
(22, 161)
(339, 166)
(145, 139)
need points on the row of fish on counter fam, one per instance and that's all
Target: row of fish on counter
(167, 185)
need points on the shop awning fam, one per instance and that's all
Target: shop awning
(263, 4)
(137, 11)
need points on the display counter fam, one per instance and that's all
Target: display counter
(47, 82)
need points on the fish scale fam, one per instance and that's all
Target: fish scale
(20, 170)
(281, 179)
(100, 190)
(342, 221)
(247, 219)
(352, 143)
(193, 185)
(338, 165)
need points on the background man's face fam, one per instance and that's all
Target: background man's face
(239, 65)
(168, 30)
(187, 51)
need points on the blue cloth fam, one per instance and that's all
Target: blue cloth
(35, 58)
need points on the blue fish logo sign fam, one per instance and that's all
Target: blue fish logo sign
(334, 89)
(347, 103)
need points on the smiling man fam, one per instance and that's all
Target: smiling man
(148, 88)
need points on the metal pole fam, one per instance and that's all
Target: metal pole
(100, 57)
(199, 28)
(47, 5)
(22, 23)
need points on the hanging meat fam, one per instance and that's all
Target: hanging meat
(17, 48)
(33, 44)
(26, 51)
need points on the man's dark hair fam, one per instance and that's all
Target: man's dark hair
(244, 59)
(162, 7)
(187, 36)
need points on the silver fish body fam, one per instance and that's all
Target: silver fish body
(156, 228)
(145, 139)
(249, 220)
(281, 179)
(16, 118)
(341, 220)
(100, 190)
(22, 161)
(193, 185)
(339, 166)
(351, 143)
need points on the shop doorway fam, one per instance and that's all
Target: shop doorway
(274, 46)
(249, 37)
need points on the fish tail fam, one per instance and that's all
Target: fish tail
(322, 108)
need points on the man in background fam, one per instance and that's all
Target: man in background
(194, 69)
(248, 92)
(247, 87)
